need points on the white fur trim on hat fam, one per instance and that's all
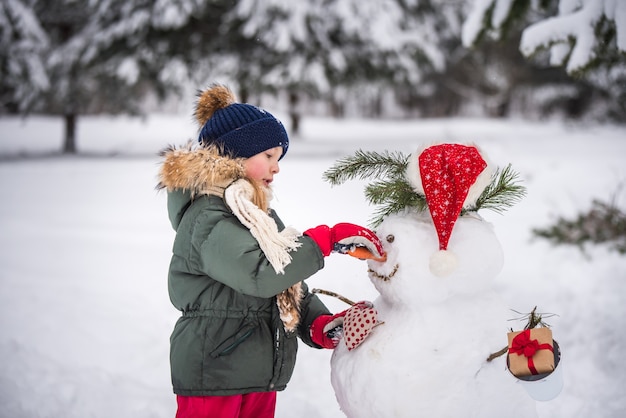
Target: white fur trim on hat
(413, 170)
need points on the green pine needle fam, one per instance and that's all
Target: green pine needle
(389, 190)
(367, 164)
(393, 196)
(503, 192)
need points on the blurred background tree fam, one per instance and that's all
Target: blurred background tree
(70, 58)
(386, 58)
(586, 38)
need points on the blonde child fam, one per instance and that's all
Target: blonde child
(237, 273)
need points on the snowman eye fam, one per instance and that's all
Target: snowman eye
(390, 238)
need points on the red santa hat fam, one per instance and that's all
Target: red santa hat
(451, 177)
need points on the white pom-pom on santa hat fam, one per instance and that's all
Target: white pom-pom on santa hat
(451, 177)
(442, 263)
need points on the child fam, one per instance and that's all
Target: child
(236, 272)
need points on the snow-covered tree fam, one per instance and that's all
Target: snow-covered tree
(326, 48)
(23, 42)
(70, 57)
(582, 34)
(585, 37)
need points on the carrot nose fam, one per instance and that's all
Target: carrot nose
(363, 253)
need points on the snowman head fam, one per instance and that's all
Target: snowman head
(410, 239)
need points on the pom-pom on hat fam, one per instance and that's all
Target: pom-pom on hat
(239, 130)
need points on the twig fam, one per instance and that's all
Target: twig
(498, 353)
(533, 318)
(338, 296)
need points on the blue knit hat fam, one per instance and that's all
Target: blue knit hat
(238, 129)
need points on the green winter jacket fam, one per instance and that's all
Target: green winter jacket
(230, 338)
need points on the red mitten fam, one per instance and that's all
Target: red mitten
(345, 238)
(322, 235)
(323, 330)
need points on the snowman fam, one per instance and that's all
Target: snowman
(420, 349)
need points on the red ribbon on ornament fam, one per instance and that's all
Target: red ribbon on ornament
(522, 344)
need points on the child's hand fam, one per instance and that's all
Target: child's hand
(346, 238)
(360, 252)
(326, 330)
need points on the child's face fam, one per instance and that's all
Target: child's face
(263, 166)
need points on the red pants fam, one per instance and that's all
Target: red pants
(252, 405)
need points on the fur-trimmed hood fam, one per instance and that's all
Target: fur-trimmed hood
(190, 171)
(197, 169)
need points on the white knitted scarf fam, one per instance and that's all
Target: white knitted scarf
(275, 245)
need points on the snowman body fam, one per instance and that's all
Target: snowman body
(428, 358)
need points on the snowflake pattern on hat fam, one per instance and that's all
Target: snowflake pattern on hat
(358, 323)
(447, 172)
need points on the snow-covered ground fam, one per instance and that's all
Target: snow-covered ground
(85, 244)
